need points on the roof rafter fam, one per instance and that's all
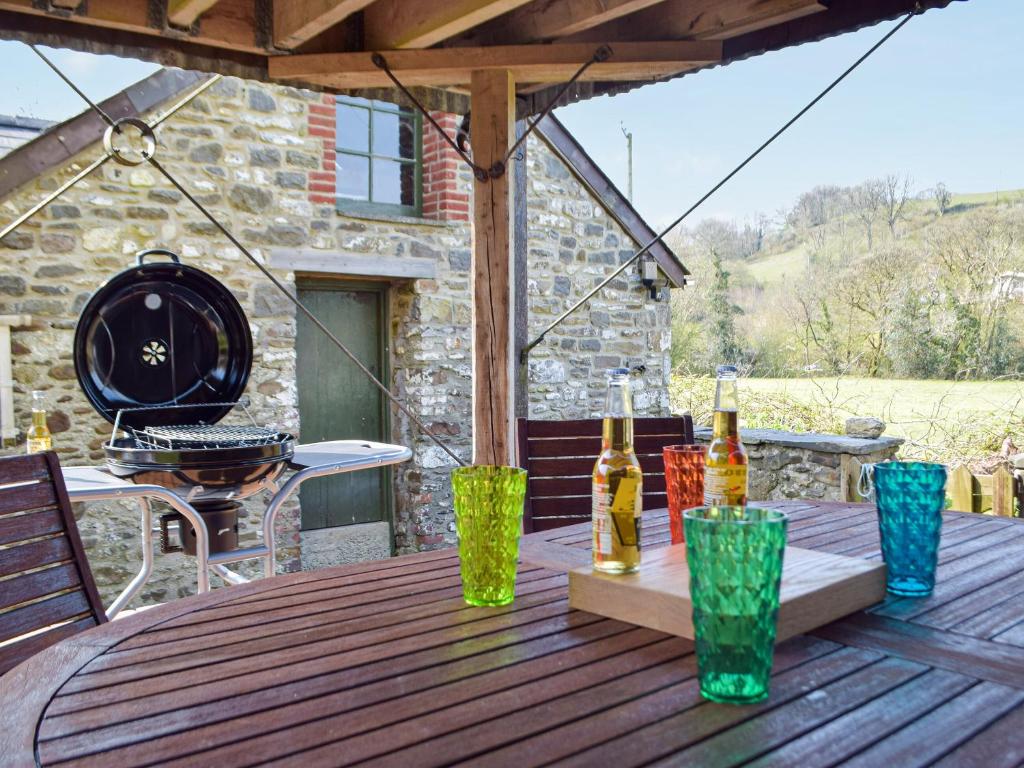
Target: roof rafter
(183, 13)
(297, 21)
(550, 19)
(423, 23)
(702, 19)
(528, 63)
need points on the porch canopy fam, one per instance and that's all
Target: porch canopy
(507, 59)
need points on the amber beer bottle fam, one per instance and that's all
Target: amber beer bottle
(725, 467)
(617, 484)
(38, 434)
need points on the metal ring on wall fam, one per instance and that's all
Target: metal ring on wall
(119, 154)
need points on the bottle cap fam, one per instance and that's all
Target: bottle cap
(617, 372)
(726, 370)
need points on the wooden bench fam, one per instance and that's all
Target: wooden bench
(46, 588)
(559, 457)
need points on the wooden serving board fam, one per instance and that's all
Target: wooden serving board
(817, 588)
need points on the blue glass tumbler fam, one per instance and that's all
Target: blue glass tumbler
(910, 496)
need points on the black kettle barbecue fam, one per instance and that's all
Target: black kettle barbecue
(163, 352)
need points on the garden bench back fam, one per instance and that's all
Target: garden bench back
(559, 457)
(47, 591)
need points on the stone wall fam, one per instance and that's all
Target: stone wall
(255, 154)
(788, 465)
(572, 245)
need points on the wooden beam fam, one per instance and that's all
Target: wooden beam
(528, 63)
(184, 13)
(492, 131)
(546, 20)
(296, 21)
(422, 23)
(701, 19)
(231, 25)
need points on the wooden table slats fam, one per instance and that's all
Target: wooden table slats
(383, 663)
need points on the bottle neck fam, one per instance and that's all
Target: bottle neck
(38, 418)
(617, 432)
(726, 422)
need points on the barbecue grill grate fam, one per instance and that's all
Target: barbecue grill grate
(204, 436)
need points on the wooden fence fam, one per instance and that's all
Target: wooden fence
(995, 493)
(1000, 493)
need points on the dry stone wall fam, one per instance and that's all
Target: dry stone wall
(247, 151)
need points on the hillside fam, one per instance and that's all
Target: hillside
(783, 261)
(872, 280)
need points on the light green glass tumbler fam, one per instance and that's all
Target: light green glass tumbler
(735, 561)
(488, 519)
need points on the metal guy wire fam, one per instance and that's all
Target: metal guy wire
(309, 314)
(98, 162)
(603, 53)
(96, 107)
(525, 353)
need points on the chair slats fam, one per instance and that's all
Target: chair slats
(32, 586)
(44, 575)
(34, 554)
(53, 610)
(20, 498)
(20, 527)
(591, 446)
(15, 653)
(672, 425)
(579, 486)
(21, 469)
(559, 458)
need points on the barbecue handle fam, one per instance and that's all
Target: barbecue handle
(140, 257)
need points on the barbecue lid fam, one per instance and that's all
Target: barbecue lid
(163, 334)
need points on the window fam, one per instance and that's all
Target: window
(377, 157)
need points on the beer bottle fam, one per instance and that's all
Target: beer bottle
(725, 468)
(617, 484)
(38, 434)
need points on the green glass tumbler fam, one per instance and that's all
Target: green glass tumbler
(910, 496)
(488, 520)
(735, 560)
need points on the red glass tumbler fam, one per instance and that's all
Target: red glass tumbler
(684, 483)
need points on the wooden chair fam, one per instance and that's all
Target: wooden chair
(46, 588)
(559, 457)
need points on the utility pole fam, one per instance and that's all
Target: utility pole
(629, 162)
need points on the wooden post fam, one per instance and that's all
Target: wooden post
(960, 489)
(520, 271)
(491, 131)
(1003, 487)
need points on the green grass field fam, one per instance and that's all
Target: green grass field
(946, 420)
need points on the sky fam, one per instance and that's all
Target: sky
(941, 101)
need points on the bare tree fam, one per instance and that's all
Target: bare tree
(895, 193)
(866, 202)
(943, 197)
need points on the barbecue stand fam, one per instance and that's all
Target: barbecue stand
(333, 457)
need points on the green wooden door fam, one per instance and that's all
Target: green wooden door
(338, 402)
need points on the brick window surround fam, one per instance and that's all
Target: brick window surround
(443, 198)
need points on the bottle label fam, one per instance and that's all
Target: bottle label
(616, 520)
(725, 485)
(38, 445)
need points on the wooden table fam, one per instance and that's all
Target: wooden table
(383, 662)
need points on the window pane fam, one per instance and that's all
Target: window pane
(359, 101)
(353, 129)
(394, 135)
(394, 182)
(353, 177)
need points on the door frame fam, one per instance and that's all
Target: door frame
(318, 281)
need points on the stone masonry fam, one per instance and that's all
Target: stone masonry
(260, 156)
(787, 465)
